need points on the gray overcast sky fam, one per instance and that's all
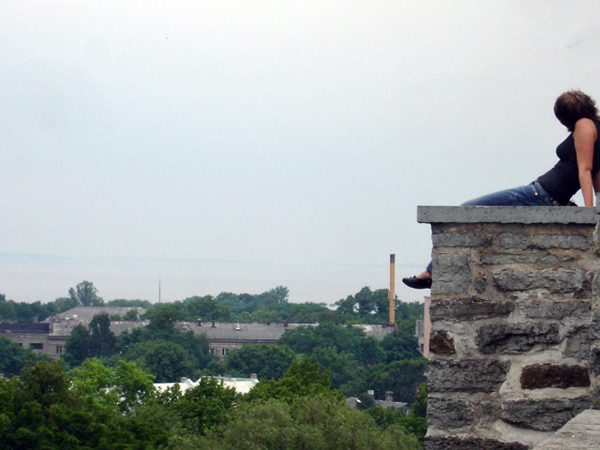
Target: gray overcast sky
(240, 145)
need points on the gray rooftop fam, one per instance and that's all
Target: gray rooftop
(261, 332)
(24, 327)
(88, 312)
(64, 327)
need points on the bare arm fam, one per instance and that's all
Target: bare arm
(585, 135)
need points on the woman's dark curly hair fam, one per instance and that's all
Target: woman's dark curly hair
(574, 105)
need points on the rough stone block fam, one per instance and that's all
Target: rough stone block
(595, 397)
(471, 443)
(515, 338)
(540, 376)
(512, 240)
(558, 279)
(595, 360)
(543, 414)
(509, 258)
(442, 343)
(578, 343)
(542, 308)
(595, 324)
(461, 240)
(596, 239)
(471, 308)
(562, 241)
(468, 375)
(596, 284)
(480, 284)
(549, 259)
(449, 413)
(451, 274)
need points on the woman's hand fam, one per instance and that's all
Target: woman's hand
(585, 135)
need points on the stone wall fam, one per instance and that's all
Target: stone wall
(515, 344)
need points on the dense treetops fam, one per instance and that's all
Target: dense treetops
(119, 372)
(366, 306)
(356, 362)
(100, 407)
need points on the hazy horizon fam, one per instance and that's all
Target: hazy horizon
(46, 277)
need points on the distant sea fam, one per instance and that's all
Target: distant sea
(32, 277)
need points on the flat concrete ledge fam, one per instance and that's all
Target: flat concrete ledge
(508, 214)
(580, 433)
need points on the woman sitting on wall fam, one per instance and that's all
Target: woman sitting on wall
(577, 168)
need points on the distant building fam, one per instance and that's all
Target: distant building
(241, 385)
(87, 313)
(387, 403)
(49, 337)
(35, 336)
(224, 337)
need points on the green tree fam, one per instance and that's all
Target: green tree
(366, 305)
(63, 304)
(134, 385)
(7, 309)
(315, 422)
(401, 377)
(266, 361)
(306, 339)
(370, 352)
(272, 300)
(96, 383)
(415, 422)
(129, 303)
(206, 308)
(163, 316)
(419, 407)
(78, 346)
(85, 294)
(131, 315)
(303, 378)
(122, 388)
(400, 345)
(12, 357)
(24, 312)
(102, 340)
(167, 361)
(196, 356)
(40, 411)
(207, 406)
(346, 373)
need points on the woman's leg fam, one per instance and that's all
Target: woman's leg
(530, 195)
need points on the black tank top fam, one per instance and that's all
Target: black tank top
(562, 181)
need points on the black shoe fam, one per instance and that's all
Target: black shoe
(417, 283)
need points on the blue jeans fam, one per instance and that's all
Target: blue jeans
(532, 194)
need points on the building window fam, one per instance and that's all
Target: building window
(59, 349)
(224, 351)
(36, 346)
